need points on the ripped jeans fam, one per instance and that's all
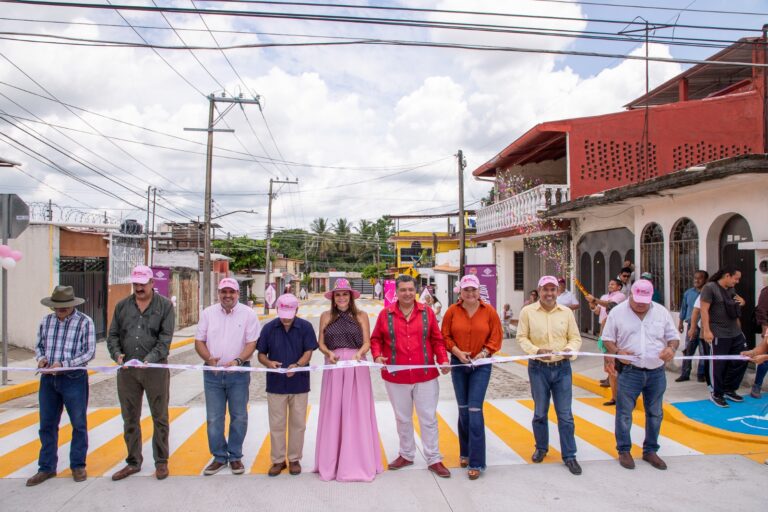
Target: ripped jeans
(470, 385)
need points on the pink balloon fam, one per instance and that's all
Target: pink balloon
(16, 255)
(5, 251)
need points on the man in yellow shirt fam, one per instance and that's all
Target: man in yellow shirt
(546, 327)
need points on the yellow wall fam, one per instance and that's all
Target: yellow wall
(444, 244)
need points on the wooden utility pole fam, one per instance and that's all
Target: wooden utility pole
(462, 232)
(268, 263)
(212, 100)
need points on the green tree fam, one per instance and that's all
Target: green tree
(322, 242)
(343, 231)
(246, 253)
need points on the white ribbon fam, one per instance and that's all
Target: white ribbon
(350, 363)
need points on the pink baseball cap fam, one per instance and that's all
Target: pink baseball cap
(141, 274)
(228, 282)
(642, 291)
(286, 305)
(545, 280)
(469, 281)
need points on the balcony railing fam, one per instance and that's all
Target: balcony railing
(520, 209)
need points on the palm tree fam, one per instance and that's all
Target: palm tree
(343, 229)
(365, 246)
(321, 234)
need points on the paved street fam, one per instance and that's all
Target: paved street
(695, 455)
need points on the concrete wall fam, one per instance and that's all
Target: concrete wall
(505, 265)
(33, 278)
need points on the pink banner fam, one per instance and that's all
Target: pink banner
(162, 278)
(389, 292)
(487, 276)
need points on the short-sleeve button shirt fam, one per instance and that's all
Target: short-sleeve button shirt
(287, 347)
(226, 334)
(645, 338)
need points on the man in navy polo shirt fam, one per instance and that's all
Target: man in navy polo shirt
(287, 342)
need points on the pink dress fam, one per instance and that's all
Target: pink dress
(347, 448)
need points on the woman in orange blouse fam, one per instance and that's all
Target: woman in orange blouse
(471, 330)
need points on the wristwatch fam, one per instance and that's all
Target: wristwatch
(239, 361)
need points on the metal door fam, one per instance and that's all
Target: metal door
(88, 278)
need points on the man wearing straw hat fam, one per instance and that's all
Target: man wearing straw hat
(66, 338)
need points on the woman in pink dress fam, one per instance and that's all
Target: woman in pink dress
(347, 448)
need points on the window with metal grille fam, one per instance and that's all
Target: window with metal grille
(684, 249)
(82, 264)
(652, 255)
(519, 270)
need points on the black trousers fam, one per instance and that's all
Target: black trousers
(726, 375)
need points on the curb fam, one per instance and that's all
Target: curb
(15, 391)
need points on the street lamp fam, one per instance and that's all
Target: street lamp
(234, 211)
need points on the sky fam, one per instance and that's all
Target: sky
(367, 130)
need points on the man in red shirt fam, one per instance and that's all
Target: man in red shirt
(407, 333)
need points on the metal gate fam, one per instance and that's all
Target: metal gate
(88, 278)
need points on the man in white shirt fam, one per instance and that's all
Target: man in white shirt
(644, 330)
(566, 297)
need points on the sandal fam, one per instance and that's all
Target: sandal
(473, 474)
(464, 461)
(610, 402)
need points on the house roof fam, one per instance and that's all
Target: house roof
(545, 141)
(721, 169)
(706, 80)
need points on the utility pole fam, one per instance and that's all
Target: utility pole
(154, 209)
(212, 99)
(462, 232)
(50, 210)
(268, 263)
(146, 226)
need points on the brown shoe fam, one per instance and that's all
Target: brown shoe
(400, 462)
(79, 475)
(294, 468)
(237, 467)
(473, 474)
(126, 472)
(276, 469)
(440, 470)
(626, 460)
(40, 477)
(161, 470)
(214, 467)
(654, 460)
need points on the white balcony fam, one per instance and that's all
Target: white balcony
(520, 209)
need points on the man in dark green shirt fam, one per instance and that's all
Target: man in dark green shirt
(142, 330)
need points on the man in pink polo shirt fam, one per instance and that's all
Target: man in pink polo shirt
(226, 336)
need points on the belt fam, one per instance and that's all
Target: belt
(550, 363)
(645, 369)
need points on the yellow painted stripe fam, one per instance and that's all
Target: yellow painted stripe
(9, 427)
(699, 440)
(514, 435)
(448, 442)
(193, 455)
(384, 460)
(595, 435)
(107, 456)
(758, 457)
(27, 454)
(263, 460)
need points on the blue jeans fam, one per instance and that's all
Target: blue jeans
(470, 384)
(760, 372)
(553, 381)
(58, 391)
(632, 382)
(226, 390)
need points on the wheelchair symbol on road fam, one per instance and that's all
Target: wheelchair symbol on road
(753, 421)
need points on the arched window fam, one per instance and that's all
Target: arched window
(684, 249)
(652, 256)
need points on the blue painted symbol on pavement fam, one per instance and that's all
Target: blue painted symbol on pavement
(748, 417)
